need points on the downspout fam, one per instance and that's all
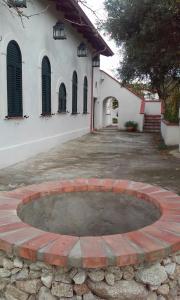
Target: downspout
(92, 100)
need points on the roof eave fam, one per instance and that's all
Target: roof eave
(86, 28)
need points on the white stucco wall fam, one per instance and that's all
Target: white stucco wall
(170, 133)
(129, 104)
(153, 107)
(21, 139)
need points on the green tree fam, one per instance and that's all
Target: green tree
(149, 31)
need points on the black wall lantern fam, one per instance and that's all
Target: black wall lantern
(16, 3)
(82, 50)
(59, 31)
(96, 61)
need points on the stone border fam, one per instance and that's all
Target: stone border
(145, 245)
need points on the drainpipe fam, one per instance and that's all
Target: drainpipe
(92, 100)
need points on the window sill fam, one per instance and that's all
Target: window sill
(46, 115)
(62, 112)
(16, 118)
(86, 113)
(75, 113)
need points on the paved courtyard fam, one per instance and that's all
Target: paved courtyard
(104, 154)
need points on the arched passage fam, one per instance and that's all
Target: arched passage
(106, 87)
(110, 111)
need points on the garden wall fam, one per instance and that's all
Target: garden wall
(170, 133)
(26, 280)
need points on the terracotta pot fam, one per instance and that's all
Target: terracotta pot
(130, 129)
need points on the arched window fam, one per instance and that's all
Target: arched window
(62, 98)
(74, 93)
(14, 80)
(46, 86)
(85, 95)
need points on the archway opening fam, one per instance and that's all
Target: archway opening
(110, 112)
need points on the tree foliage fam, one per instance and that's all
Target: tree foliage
(149, 30)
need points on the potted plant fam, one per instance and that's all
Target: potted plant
(131, 125)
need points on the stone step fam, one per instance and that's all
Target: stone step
(152, 119)
(151, 129)
(153, 116)
(153, 123)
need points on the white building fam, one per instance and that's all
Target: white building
(46, 89)
(48, 93)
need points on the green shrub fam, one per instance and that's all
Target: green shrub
(172, 106)
(115, 120)
(132, 124)
(171, 113)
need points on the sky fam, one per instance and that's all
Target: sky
(108, 64)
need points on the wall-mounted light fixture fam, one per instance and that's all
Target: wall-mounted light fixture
(82, 50)
(17, 3)
(96, 61)
(59, 31)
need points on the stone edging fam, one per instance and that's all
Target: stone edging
(167, 123)
(145, 245)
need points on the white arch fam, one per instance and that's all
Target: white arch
(108, 112)
(129, 103)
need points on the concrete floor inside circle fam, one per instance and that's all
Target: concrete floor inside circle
(89, 213)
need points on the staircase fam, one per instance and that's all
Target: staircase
(152, 123)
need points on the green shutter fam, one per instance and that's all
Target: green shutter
(14, 80)
(62, 98)
(46, 86)
(85, 95)
(74, 93)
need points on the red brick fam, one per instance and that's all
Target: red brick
(93, 252)
(171, 226)
(145, 193)
(48, 188)
(163, 235)
(24, 194)
(170, 212)
(8, 205)
(81, 185)
(57, 252)
(29, 249)
(120, 186)
(163, 193)
(153, 248)
(172, 218)
(173, 198)
(134, 187)
(67, 186)
(124, 251)
(8, 241)
(5, 200)
(12, 227)
(95, 184)
(150, 189)
(169, 206)
(9, 220)
(169, 201)
(107, 185)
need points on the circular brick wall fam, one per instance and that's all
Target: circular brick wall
(145, 245)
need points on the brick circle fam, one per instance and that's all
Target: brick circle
(145, 245)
